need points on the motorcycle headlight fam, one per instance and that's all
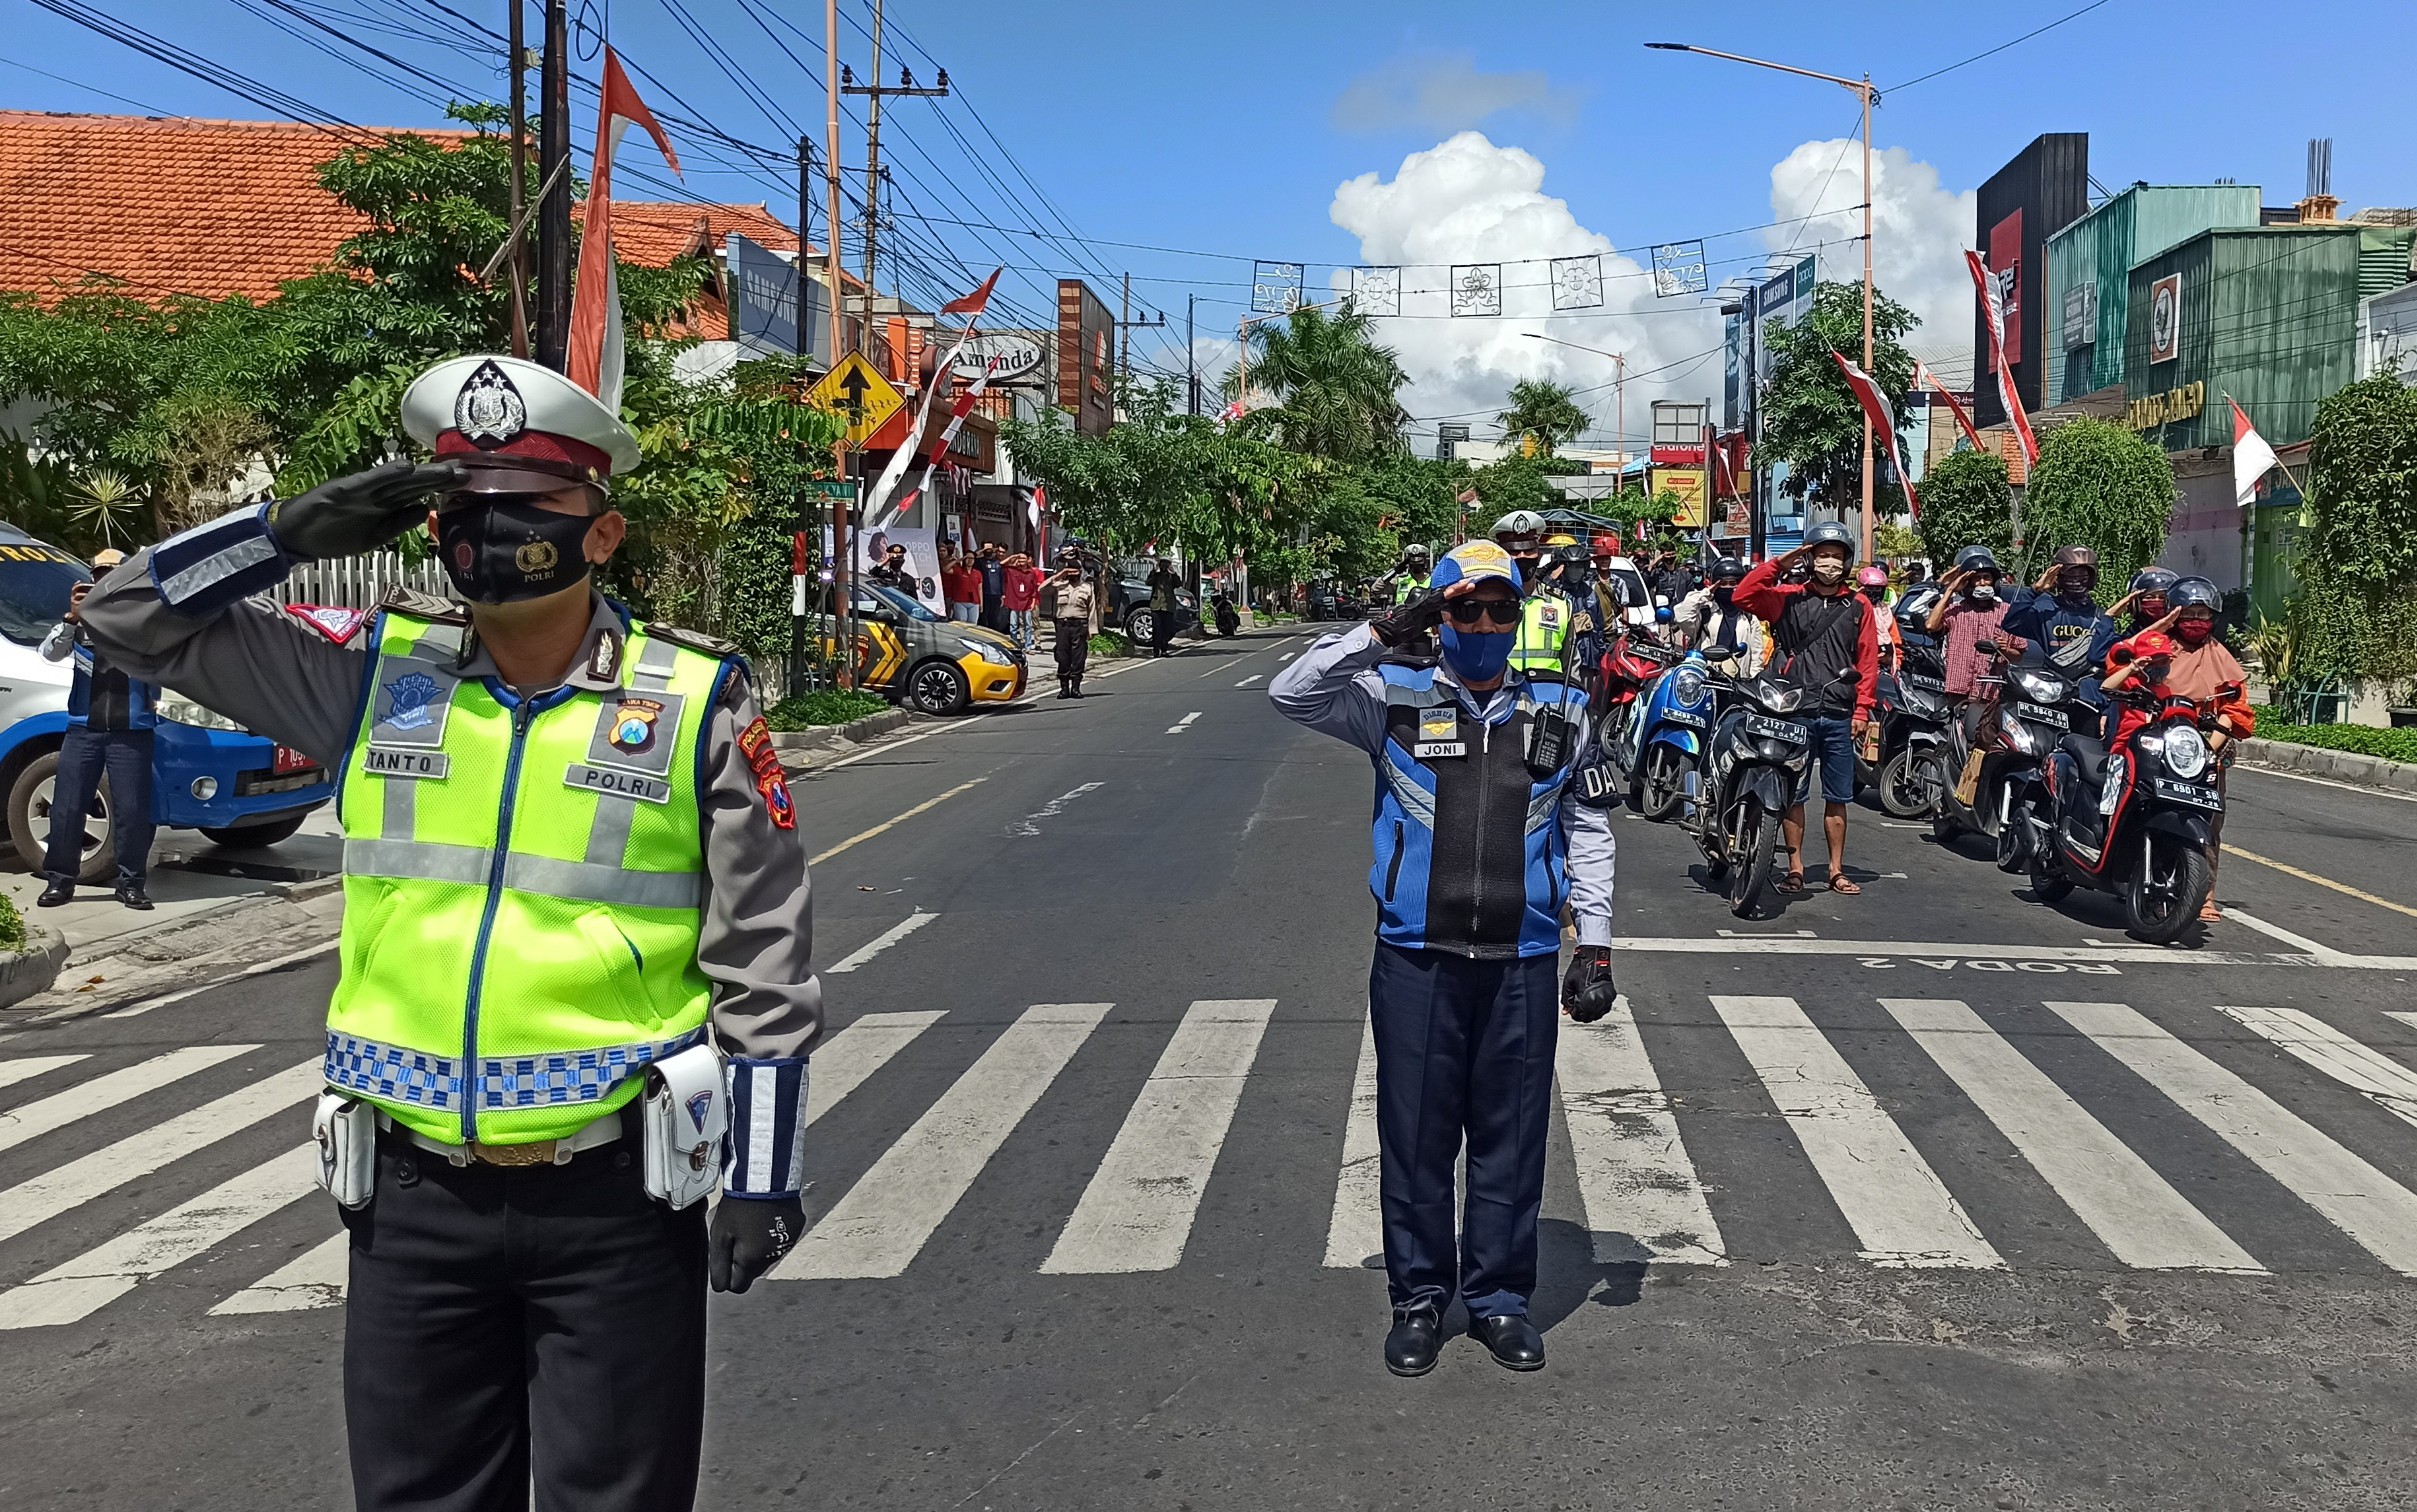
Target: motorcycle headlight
(2039, 689)
(997, 656)
(1782, 700)
(2112, 792)
(185, 711)
(2185, 752)
(1687, 686)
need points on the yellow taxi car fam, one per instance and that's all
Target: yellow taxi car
(928, 662)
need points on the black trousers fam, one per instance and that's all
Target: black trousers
(1162, 630)
(1073, 649)
(537, 1325)
(83, 756)
(1464, 1055)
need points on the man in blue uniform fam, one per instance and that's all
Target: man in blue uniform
(2060, 616)
(1480, 838)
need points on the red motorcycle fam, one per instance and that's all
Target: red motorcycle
(1622, 674)
(2136, 821)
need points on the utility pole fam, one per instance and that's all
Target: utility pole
(876, 92)
(1125, 322)
(1191, 358)
(518, 61)
(554, 210)
(843, 574)
(1866, 92)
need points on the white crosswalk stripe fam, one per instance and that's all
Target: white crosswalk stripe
(314, 1278)
(102, 1093)
(26, 1068)
(1643, 1198)
(1357, 1228)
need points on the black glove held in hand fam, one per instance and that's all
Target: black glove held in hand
(360, 512)
(1407, 622)
(1587, 992)
(749, 1236)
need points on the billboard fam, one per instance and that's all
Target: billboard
(1086, 357)
(764, 313)
(2044, 189)
(1688, 484)
(1014, 359)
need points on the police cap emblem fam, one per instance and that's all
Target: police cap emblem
(489, 410)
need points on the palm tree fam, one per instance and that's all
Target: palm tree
(1337, 392)
(1542, 409)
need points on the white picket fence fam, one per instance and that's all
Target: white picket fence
(358, 582)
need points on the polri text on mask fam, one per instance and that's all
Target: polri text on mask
(511, 549)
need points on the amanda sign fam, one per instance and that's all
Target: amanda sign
(2152, 410)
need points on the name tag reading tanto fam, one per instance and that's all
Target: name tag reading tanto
(389, 761)
(625, 784)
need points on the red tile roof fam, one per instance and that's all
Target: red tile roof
(651, 233)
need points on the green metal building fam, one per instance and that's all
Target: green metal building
(2090, 264)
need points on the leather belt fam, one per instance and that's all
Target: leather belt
(542, 1152)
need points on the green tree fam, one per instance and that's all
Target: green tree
(1543, 410)
(1966, 501)
(1336, 391)
(2102, 486)
(1811, 420)
(2355, 614)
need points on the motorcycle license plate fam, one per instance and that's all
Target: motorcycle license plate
(1682, 717)
(1776, 729)
(290, 760)
(1917, 680)
(2042, 714)
(2188, 792)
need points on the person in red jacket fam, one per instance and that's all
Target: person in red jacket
(961, 586)
(1022, 593)
(1824, 643)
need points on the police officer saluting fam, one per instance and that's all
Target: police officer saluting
(575, 945)
(1479, 837)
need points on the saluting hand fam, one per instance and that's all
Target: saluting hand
(362, 511)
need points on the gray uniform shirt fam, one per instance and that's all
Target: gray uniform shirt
(278, 678)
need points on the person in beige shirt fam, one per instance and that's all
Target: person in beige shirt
(1077, 605)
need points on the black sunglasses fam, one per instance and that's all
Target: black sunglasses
(1470, 610)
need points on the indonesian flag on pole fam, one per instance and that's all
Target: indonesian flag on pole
(1038, 502)
(1922, 379)
(1994, 308)
(595, 359)
(937, 452)
(2251, 456)
(1875, 409)
(971, 307)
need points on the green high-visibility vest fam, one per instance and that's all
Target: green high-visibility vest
(1543, 626)
(523, 884)
(1405, 586)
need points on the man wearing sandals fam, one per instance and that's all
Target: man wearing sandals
(1828, 646)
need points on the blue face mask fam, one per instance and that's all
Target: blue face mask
(1474, 657)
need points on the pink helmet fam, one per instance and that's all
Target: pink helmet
(1872, 577)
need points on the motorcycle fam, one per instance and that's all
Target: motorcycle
(1665, 737)
(1746, 782)
(1626, 670)
(1228, 621)
(2034, 710)
(1914, 711)
(2136, 821)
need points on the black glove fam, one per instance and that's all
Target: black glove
(1404, 623)
(1586, 990)
(749, 1236)
(359, 512)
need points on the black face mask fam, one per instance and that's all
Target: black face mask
(511, 549)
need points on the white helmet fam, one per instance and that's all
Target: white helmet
(1519, 522)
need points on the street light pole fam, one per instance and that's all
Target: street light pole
(1863, 90)
(1619, 387)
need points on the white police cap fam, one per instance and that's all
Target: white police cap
(509, 409)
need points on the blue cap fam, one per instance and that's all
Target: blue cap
(1471, 563)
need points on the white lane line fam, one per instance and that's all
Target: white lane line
(1246, 682)
(2133, 1210)
(1643, 1198)
(1180, 725)
(102, 1093)
(2240, 915)
(2088, 959)
(63, 1188)
(1137, 1212)
(856, 1052)
(2374, 1210)
(2390, 1084)
(1900, 1210)
(1030, 824)
(879, 943)
(1287, 656)
(314, 1278)
(885, 1219)
(2251, 765)
(255, 969)
(2407, 1016)
(80, 1287)
(26, 1068)
(1357, 1230)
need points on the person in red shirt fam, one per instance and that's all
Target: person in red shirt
(1826, 644)
(961, 585)
(1022, 593)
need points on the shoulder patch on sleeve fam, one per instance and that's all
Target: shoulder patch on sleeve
(425, 606)
(755, 744)
(693, 640)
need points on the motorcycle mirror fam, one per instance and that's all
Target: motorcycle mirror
(1985, 647)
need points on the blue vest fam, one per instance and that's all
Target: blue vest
(1470, 856)
(142, 698)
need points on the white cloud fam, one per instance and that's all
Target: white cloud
(1466, 200)
(1919, 232)
(1445, 92)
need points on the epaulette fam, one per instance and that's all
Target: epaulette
(425, 606)
(693, 640)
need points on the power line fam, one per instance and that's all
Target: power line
(92, 89)
(1994, 51)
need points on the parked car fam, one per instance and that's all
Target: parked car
(208, 773)
(1322, 602)
(927, 661)
(1129, 605)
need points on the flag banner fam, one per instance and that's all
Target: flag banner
(1993, 311)
(1678, 268)
(595, 360)
(1922, 379)
(1875, 409)
(1230, 413)
(1577, 282)
(2251, 455)
(1376, 291)
(1477, 289)
(971, 307)
(1275, 288)
(936, 454)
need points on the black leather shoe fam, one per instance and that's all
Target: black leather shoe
(1512, 1340)
(131, 894)
(1411, 1347)
(55, 894)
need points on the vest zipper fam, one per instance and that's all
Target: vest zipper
(1485, 748)
(523, 713)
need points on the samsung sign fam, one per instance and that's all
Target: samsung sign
(1012, 357)
(764, 313)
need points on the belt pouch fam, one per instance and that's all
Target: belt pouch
(346, 1132)
(687, 1113)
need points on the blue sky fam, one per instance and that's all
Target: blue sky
(1228, 128)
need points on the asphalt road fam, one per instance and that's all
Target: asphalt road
(1929, 1198)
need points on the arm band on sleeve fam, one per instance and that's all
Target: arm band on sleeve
(214, 565)
(766, 1153)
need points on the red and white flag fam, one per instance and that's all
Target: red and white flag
(1230, 413)
(1034, 505)
(595, 358)
(2251, 456)
(1993, 310)
(1875, 409)
(971, 307)
(937, 452)
(1922, 379)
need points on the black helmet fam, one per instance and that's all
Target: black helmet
(1727, 570)
(1976, 559)
(2194, 593)
(1913, 610)
(1832, 533)
(2151, 581)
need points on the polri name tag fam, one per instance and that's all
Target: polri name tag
(619, 783)
(388, 761)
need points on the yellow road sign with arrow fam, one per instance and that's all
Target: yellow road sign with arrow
(858, 394)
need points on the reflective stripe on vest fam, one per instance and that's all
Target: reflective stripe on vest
(524, 882)
(1543, 626)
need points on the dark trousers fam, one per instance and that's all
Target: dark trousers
(1073, 649)
(1464, 1050)
(543, 1324)
(1162, 630)
(86, 752)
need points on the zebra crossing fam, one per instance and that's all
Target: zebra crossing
(2308, 1106)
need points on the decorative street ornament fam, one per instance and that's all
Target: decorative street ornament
(1678, 268)
(1275, 288)
(1477, 289)
(1578, 282)
(1376, 291)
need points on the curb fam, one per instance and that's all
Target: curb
(854, 732)
(23, 975)
(2351, 767)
